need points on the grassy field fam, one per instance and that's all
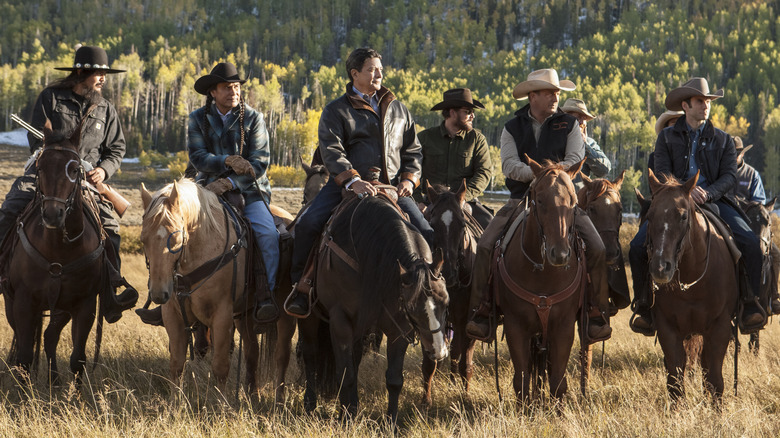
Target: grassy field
(129, 392)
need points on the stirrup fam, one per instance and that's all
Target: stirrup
(289, 297)
(750, 329)
(641, 330)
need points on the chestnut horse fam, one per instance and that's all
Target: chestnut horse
(456, 233)
(59, 263)
(376, 270)
(539, 277)
(186, 228)
(694, 280)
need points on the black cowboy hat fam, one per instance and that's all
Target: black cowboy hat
(90, 58)
(457, 98)
(222, 72)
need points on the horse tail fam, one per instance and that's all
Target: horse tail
(539, 359)
(98, 342)
(38, 335)
(327, 382)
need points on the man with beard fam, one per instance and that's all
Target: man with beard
(454, 151)
(65, 103)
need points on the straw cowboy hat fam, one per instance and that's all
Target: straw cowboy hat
(577, 106)
(457, 98)
(664, 118)
(544, 79)
(694, 87)
(222, 72)
(741, 148)
(90, 58)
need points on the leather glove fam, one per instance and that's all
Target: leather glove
(240, 165)
(220, 186)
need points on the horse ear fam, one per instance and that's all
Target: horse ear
(536, 168)
(47, 131)
(586, 181)
(433, 195)
(306, 167)
(639, 197)
(770, 206)
(438, 262)
(146, 197)
(173, 198)
(574, 169)
(655, 184)
(461, 192)
(404, 274)
(617, 182)
(691, 183)
(75, 138)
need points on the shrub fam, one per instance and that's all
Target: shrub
(178, 164)
(286, 176)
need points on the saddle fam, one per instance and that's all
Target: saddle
(328, 246)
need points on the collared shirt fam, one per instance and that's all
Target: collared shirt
(513, 167)
(450, 159)
(372, 100)
(693, 166)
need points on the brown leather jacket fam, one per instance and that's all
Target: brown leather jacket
(353, 138)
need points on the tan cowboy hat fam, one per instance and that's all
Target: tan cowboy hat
(90, 58)
(741, 148)
(222, 72)
(544, 79)
(664, 118)
(457, 98)
(577, 106)
(694, 87)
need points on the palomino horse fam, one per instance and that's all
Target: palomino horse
(540, 280)
(456, 233)
(759, 218)
(59, 263)
(196, 256)
(377, 270)
(694, 280)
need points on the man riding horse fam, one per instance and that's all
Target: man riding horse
(363, 132)
(228, 146)
(693, 144)
(542, 131)
(65, 103)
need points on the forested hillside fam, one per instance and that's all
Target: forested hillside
(624, 56)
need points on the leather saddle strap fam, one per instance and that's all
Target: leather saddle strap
(333, 246)
(184, 282)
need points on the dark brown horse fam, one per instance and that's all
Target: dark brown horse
(539, 277)
(376, 270)
(456, 233)
(759, 218)
(59, 263)
(694, 280)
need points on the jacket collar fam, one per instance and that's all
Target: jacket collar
(385, 97)
(445, 133)
(681, 126)
(215, 119)
(525, 112)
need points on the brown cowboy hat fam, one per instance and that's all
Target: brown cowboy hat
(577, 106)
(222, 72)
(457, 98)
(544, 79)
(664, 118)
(694, 87)
(90, 58)
(740, 147)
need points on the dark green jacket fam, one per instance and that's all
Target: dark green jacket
(448, 160)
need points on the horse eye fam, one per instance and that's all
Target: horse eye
(684, 216)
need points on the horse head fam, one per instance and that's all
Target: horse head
(59, 176)
(553, 199)
(760, 219)
(425, 299)
(164, 236)
(600, 199)
(445, 214)
(316, 177)
(669, 220)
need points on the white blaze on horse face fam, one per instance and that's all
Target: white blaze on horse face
(162, 232)
(446, 219)
(439, 345)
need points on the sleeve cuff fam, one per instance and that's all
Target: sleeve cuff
(414, 179)
(345, 176)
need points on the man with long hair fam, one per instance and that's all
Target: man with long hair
(65, 103)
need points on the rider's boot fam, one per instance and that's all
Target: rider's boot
(479, 326)
(114, 304)
(266, 310)
(642, 319)
(151, 316)
(598, 325)
(752, 316)
(297, 303)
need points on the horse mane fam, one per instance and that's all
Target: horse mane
(381, 239)
(197, 207)
(598, 188)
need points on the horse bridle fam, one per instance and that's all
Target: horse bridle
(408, 314)
(71, 199)
(542, 235)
